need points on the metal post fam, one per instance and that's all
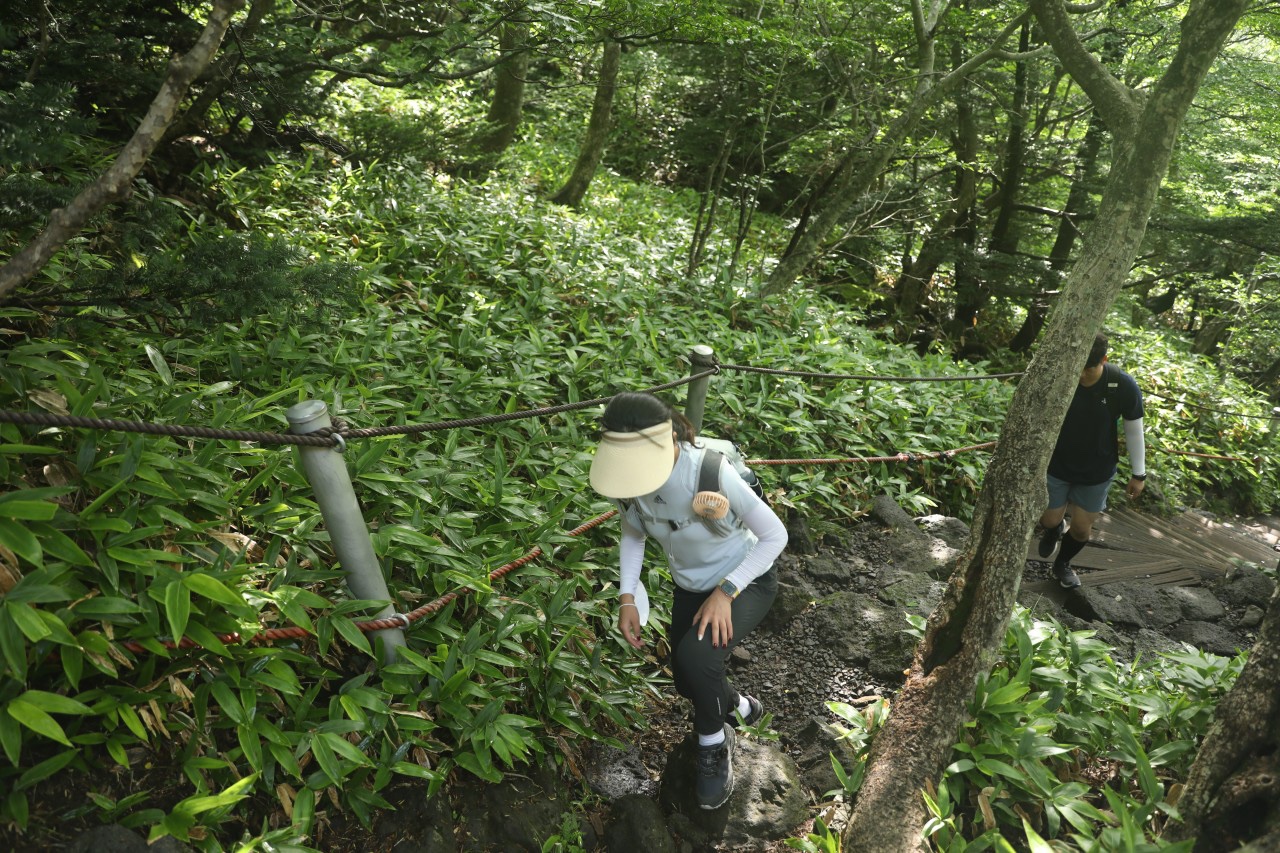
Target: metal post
(326, 470)
(701, 358)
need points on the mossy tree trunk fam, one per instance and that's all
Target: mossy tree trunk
(116, 182)
(1232, 795)
(593, 143)
(507, 107)
(966, 629)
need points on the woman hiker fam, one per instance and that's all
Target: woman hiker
(720, 546)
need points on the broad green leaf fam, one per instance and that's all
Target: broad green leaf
(212, 589)
(27, 510)
(17, 537)
(54, 703)
(352, 634)
(161, 366)
(37, 720)
(28, 620)
(228, 701)
(327, 761)
(177, 608)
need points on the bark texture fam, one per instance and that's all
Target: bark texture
(593, 144)
(1232, 794)
(113, 185)
(507, 106)
(966, 628)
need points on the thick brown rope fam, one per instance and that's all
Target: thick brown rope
(400, 620)
(897, 457)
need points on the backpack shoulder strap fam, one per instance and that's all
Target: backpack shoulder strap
(1109, 377)
(709, 470)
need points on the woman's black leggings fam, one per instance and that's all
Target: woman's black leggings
(699, 669)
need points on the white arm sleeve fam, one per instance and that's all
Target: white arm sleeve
(630, 557)
(1137, 445)
(772, 536)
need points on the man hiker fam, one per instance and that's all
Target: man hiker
(1086, 458)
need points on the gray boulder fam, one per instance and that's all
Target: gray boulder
(1197, 603)
(861, 630)
(1246, 585)
(767, 804)
(952, 531)
(636, 822)
(1206, 636)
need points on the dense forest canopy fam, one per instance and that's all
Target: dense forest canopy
(428, 212)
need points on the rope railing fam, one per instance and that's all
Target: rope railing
(404, 620)
(1255, 460)
(337, 435)
(771, 371)
(333, 437)
(897, 457)
(399, 620)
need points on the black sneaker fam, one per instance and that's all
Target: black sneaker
(715, 772)
(1050, 538)
(753, 715)
(1066, 575)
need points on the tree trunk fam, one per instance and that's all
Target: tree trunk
(114, 184)
(217, 78)
(852, 182)
(967, 627)
(1216, 330)
(592, 150)
(503, 119)
(974, 291)
(1232, 795)
(1068, 230)
(709, 201)
(913, 283)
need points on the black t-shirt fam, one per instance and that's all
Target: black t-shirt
(1087, 451)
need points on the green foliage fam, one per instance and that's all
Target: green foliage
(230, 278)
(1063, 743)
(469, 301)
(1067, 743)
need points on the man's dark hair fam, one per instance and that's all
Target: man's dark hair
(1098, 351)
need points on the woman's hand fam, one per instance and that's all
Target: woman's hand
(716, 613)
(629, 623)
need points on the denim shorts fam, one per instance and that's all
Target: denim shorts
(1089, 498)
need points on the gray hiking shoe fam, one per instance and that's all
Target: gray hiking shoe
(1050, 538)
(715, 772)
(1066, 575)
(753, 715)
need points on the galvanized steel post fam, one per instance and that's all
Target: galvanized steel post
(701, 359)
(326, 470)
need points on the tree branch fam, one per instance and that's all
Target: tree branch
(1116, 102)
(114, 184)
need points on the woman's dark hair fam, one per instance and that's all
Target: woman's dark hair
(631, 411)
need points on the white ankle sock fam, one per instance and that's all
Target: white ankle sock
(744, 707)
(711, 740)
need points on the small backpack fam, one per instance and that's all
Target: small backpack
(710, 503)
(709, 473)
